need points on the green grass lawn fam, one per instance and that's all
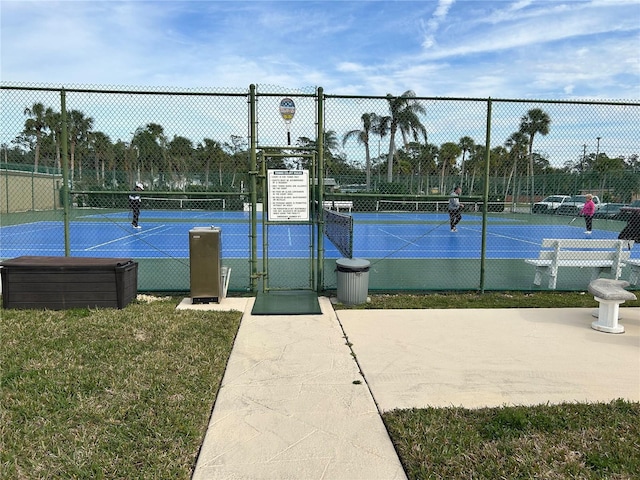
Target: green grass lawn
(568, 441)
(107, 393)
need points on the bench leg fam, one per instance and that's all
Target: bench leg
(537, 278)
(553, 277)
(608, 316)
(635, 274)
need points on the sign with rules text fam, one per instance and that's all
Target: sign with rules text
(288, 192)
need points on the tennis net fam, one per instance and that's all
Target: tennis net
(213, 204)
(338, 227)
(411, 206)
(434, 206)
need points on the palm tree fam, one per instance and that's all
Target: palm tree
(180, 152)
(330, 143)
(103, 154)
(34, 126)
(517, 144)
(466, 145)
(403, 115)
(499, 158)
(362, 136)
(150, 143)
(53, 120)
(448, 154)
(427, 165)
(211, 150)
(475, 162)
(535, 121)
(238, 160)
(79, 130)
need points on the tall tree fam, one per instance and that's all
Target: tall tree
(403, 115)
(517, 144)
(35, 126)
(211, 151)
(475, 163)
(466, 145)
(53, 120)
(180, 152)
(535, 121)
(79, 130)
(149, 144)
(103, 155)
(448, 154)
(330, 144)
(362, 136)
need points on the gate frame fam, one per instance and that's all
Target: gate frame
(258, 173)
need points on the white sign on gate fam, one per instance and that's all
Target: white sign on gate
(288, 192)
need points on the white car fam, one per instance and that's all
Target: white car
(550, 204)
(574, 205)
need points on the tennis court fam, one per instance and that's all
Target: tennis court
(376, 235)
(401, 246)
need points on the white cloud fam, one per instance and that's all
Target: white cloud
(434, 22)
(489, 48)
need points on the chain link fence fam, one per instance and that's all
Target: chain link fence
(390, 162)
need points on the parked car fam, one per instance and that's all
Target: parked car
(609, 210)
(573, 205)
(550, 204)
(625, 214)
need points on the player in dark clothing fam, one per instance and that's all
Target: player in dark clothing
(134, 204)
(455, 207)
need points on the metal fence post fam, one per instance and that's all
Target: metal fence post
(253, 188)
(320, 182)
(65, 171)
(485, 199)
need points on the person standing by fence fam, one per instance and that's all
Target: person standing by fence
(134, 203)
(588, 210)
(455, 207)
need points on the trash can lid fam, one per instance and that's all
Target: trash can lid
(353, 264)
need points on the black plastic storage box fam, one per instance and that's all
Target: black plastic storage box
(59, 283)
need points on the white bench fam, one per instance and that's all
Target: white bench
(600, 255)
(338, 204)
(610, 294)
(634, 263)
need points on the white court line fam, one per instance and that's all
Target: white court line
(396, 236)
(122, 238)
(502, 236)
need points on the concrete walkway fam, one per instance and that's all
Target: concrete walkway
(293, 404)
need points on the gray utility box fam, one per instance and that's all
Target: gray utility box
(353, 280)
(205, 269)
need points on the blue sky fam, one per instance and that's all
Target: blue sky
(503, 49)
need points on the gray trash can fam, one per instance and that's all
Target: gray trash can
(353, 280)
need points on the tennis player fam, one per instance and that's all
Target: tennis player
(134, 204)
(455, 207)
(588, 211)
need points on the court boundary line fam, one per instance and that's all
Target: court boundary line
(121, 238)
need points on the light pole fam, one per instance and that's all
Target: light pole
(597, 148)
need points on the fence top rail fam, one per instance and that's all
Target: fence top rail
(129, 91)
(622, 102)
(185, 92)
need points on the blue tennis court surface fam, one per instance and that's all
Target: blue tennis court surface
(376, 235)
